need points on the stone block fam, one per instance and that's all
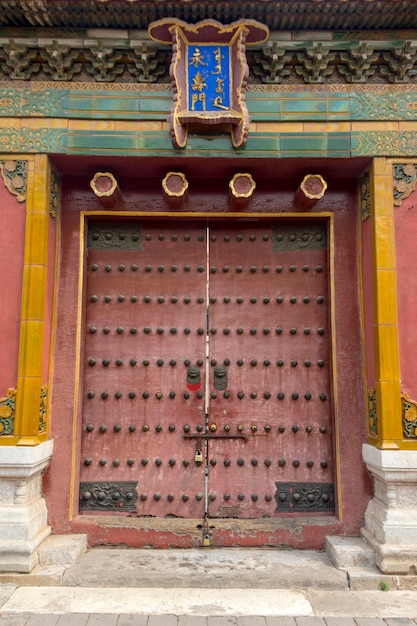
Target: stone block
(371, 578)
(62, 550)
(40, 576)
(345, 552)
(391, 515)
(23, 512)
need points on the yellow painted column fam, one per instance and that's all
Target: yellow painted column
(32, 325)
(387, 370)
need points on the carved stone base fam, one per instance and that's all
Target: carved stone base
(23, 513)
(391, 516)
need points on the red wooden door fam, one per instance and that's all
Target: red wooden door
(268, 326)
(207, 384)
(144, 329)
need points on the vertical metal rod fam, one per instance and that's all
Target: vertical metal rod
(207, 378)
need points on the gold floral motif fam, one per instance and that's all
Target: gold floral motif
(372, 414)
(409, 416)
(14, 177)
(405, 181)
(7, 412)
(10, 166)
(43, 408)
(409, 169)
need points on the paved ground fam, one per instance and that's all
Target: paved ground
(85, 619)
(225, 587)
(73, 606)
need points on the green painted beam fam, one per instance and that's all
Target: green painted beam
(158, 143)
(264, 106)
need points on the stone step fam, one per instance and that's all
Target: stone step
(225, 568)
(62, 550)
(366, 606)
(346, 552)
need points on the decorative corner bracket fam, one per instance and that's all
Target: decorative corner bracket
(409, 416)
(372, 414)
(405, 181)
(8, 412)
(365, 196)
(54, 201)
(43, 409)
(209, 72)
(14, 177)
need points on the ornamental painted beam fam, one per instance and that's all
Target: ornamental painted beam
(209, 73)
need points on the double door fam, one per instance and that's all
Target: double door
(206, 369)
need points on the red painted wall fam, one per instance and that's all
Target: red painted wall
(12, 240)
(405, 218)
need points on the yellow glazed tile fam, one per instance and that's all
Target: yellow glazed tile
(386, 297)
(387, 362)
(36, 247)
(34, 292)
(389, 410)
(150, 126)
(41, 122)
(339, 127)
(136, 126)
(91, 125)
(279, 127)
(31, 348)
(126, 126)
(326, 127)
(381, 167)
(314, 127)
(374, 126)
(41, 162)
(9, 122)
(404, 126)
(30, 163)
(382, 196)
(27, 406)
(18, 157)
(384, 248)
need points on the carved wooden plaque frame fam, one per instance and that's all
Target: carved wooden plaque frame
(209, 73)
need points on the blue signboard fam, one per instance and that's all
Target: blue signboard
(208, 68)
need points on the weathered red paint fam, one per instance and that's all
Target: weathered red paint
(272, 196)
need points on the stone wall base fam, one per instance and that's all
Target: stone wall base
(391, 516)
(23, 512)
